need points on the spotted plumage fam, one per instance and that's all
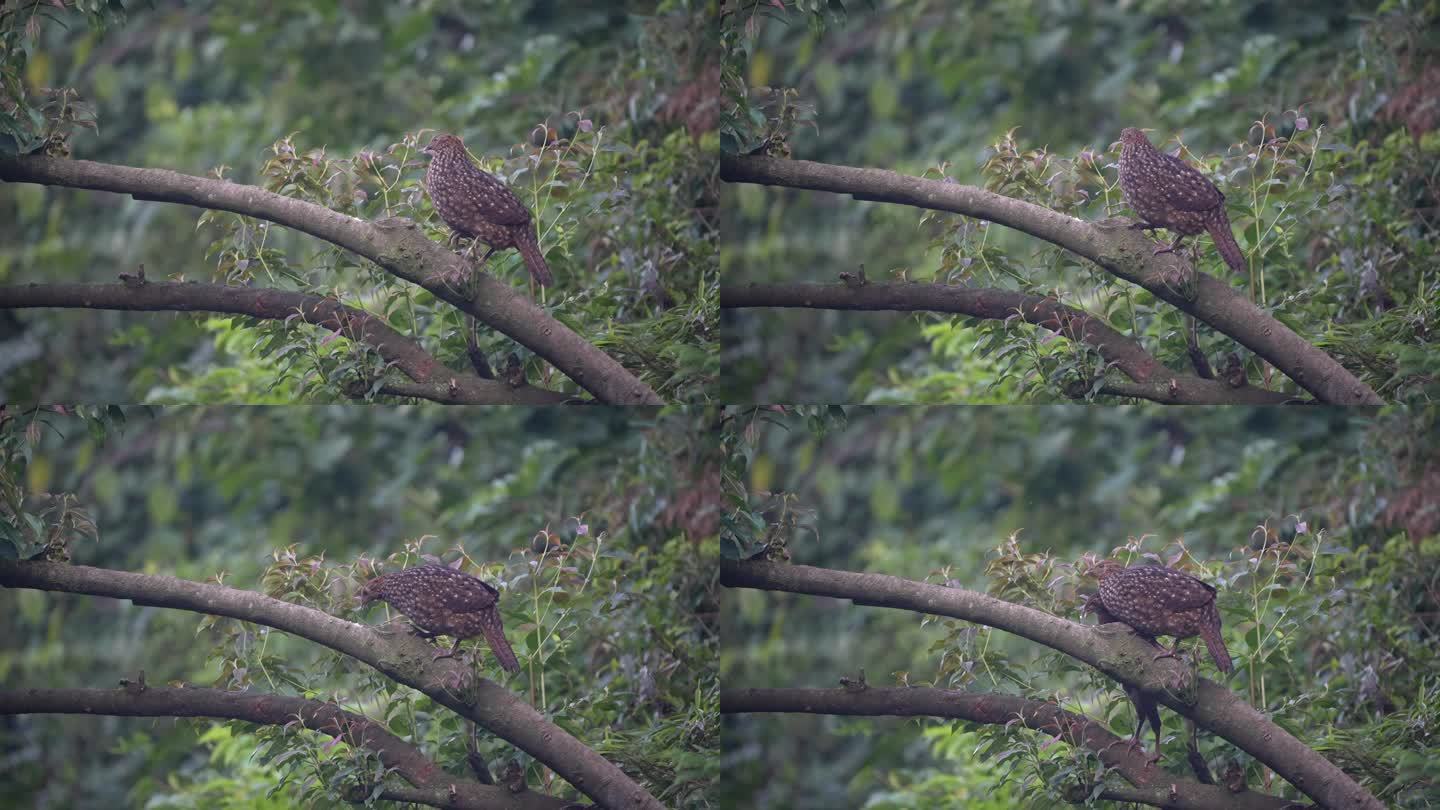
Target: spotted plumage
(442, 601)
(1158, 601)
(477, 205)
(1167, 193)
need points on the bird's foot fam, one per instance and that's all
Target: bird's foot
(1166, 654)
(1134, 746)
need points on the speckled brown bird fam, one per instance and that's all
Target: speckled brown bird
(442, 601)
(1167, 193)
(477, 205)
(1157, 601)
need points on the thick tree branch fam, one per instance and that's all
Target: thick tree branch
(400, 656)
(1120, 655)
(449, 393)
(435, 797)
(394, 244)
(996, 709)
(1111, 244)
(1190, 390)
(406, 760)
(406, 355)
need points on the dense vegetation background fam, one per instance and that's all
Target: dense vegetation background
(1336, 211)
(600, 526)
(1321, 528)
(601, 116)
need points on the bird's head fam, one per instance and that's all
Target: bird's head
(443, 143)
(1130, 136)
(370, 591)
(1104, 568)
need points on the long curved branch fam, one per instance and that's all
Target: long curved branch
(1111, 244)
(394, 244)
(407, 761)
(1152, 379)
(1123, 657)
(407, 355)
(998, 709)
(401, 657)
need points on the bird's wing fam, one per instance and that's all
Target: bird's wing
(469, 600)
(1196, 192)
(499, 204)
(1189, 598)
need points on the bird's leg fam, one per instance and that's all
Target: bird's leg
(1134, 744)
(1173, 652)
(449, 653)
(1140, 729)
(1172, 246)
(485, 258)
(429, 636)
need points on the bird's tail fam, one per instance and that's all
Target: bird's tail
(529, 249)
(1219, 228)
(1210, 633)
(495, 637)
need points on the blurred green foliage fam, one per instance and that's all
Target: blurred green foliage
(1314, 122)
(1320, 527)
(600, 528)
(601, 116)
